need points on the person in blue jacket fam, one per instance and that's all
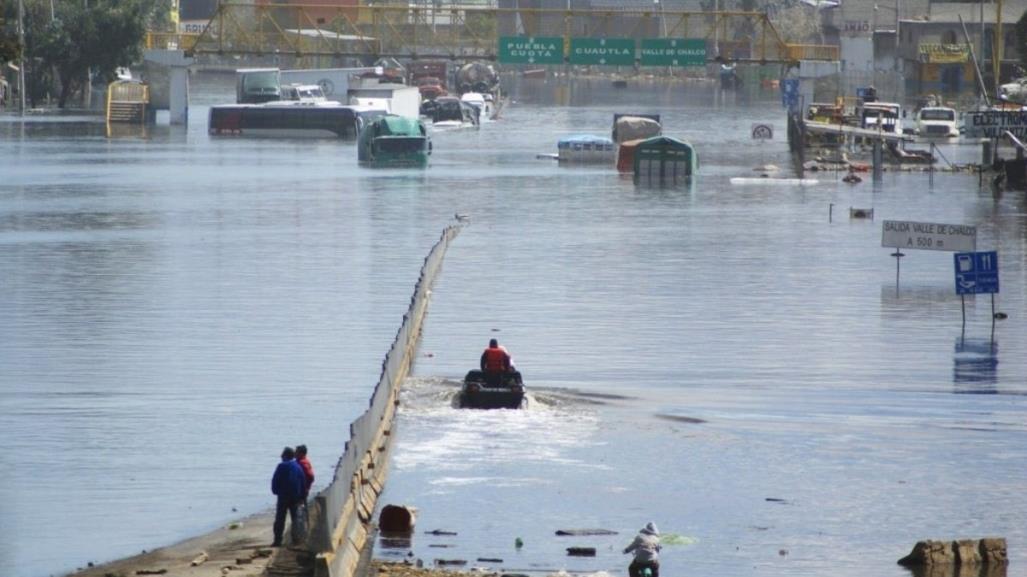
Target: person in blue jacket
(289, 484)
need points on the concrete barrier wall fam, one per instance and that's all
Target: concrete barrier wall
(342, 512)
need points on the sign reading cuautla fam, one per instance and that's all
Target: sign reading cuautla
(530, 50)
(674, 52)
(603, 51)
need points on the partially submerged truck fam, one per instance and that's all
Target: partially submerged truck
(429, 77)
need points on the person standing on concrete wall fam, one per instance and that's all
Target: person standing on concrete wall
(289, 484)
(308, 474)
(646, 548)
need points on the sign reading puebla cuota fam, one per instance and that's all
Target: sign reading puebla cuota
(673, 52)
(530, 50)
(929, 236)
(603, 51)
(994, 123)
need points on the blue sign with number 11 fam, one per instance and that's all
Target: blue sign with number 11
(976, 272)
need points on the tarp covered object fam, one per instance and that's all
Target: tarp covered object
(635, 128)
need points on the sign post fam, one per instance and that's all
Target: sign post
(673, 52)
(762, 133)
(994, 123)
(902, 234)
(603, 51)
(530, 50)
(977, 273)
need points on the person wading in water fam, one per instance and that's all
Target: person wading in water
(646, 548)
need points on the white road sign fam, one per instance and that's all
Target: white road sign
(929, 236)
(994, 123)
(762, 131)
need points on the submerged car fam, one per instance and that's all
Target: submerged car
(481, 391)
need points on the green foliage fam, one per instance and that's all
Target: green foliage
(482, 24)
(10, 50)
(1021, 37)
(159, 17)
(77, 38)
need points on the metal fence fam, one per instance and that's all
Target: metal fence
(342, 512)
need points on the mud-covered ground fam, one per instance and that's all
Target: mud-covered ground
(239, 549)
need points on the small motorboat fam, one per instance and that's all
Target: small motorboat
(479, 392)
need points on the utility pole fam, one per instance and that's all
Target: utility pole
(88, 96)
(996, 53)
(716, 28)
(898, 37)
(980, 41)
(21, 57)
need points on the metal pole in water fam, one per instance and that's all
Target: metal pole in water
(898, 255)
(930, 167)
(962, 304)
(21, 58)
(877, 160)
(830, 212)
(993, 319)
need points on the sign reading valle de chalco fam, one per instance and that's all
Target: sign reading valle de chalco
(673, 52)
(530, 50)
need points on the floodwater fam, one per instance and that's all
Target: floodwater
(722, 360)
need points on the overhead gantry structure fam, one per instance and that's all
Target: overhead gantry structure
(464, 32)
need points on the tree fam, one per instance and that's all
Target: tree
(10, 48)
(797, 24)
(76, 39)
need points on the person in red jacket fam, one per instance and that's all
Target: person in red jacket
(308, 475)
(495, 362)
(308, 469)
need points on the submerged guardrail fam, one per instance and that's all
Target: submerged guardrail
(342, 512)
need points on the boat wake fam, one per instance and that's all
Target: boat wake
(455, 443)
(427, 393)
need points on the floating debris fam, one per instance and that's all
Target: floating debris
(583, 532)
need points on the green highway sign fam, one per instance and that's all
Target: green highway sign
(530, 50)
(674, 52)
(605, 51)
